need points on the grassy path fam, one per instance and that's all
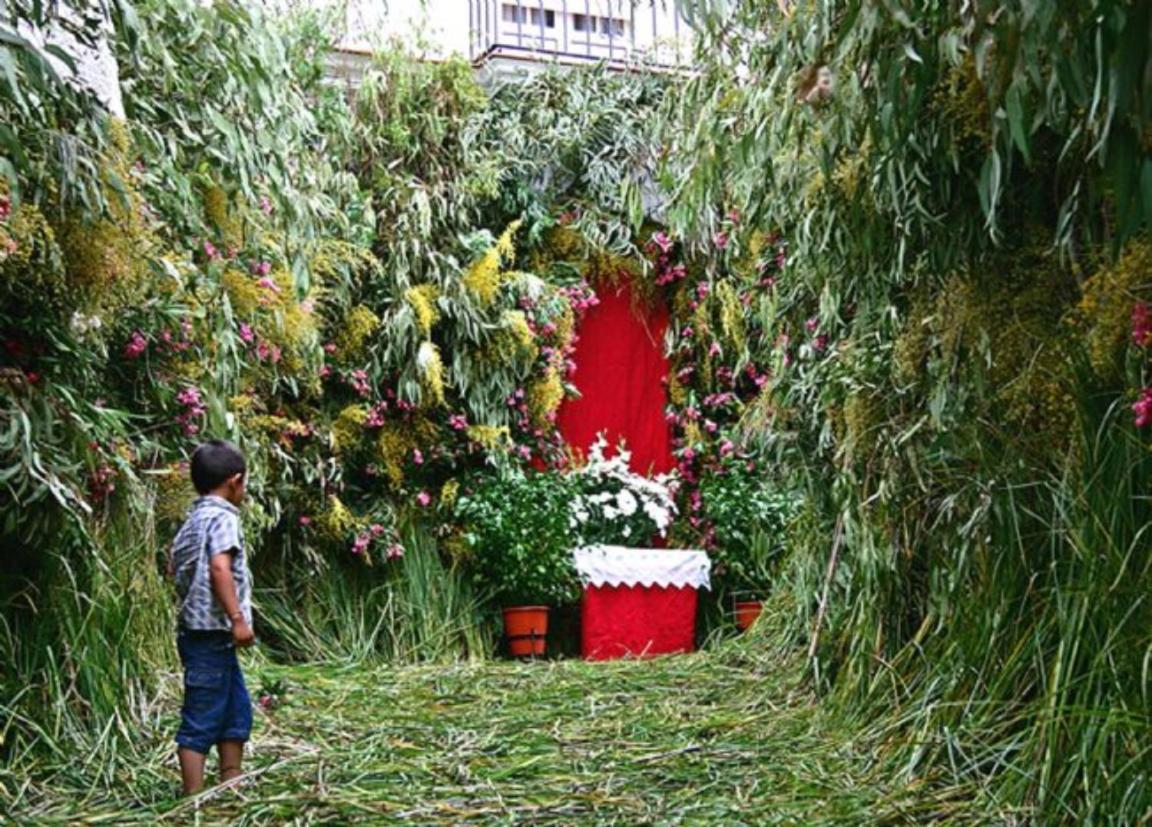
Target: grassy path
(710, 738)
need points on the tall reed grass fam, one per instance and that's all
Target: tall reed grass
(1003, 639)
(410, 610)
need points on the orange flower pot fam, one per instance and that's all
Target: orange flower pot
(526, 627)
(746, 612)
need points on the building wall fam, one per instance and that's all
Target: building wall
(444, 27)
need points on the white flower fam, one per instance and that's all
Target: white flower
(81, 324)
(657, 514)
(626, 502)
(610, 513)
(627, 531)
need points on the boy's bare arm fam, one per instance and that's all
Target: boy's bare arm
(224, 587)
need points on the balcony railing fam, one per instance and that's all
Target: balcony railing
(616, 31)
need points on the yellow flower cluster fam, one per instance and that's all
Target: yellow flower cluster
(422, 300)
(731, 313)
(337, 522)
(911, 348)
(1105, 308)
(863, 421)
(397, 441)
(27, 243)
(450, 492)
(393, 447)
(243, 292)
(491, 438)
(560, 244)
(965, 102)
(431, 370)
(360, 325)
(348, 429)
(545, 396)
(220, 214)
(106, 260)
(332, 256)
(1016, 318)
(483, 277)
(174, 494)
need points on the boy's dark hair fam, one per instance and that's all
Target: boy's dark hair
(213, 462)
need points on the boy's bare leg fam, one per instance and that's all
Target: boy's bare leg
(191, 770)
(231, 757)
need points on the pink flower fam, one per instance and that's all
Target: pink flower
(5, 207)
(710, 426)
(376, 529)
(1141, 324)
(210, 250)
(714, 350)
(417, 456)
(361, 543)
(424, 499)
(812, 324)
(189, 396)
(329, 348)
(726, 448)
(395, 551)
(720, 240)
(662, 241)
(688, 332)
(268, 284)
(246, 333)
(262, 268)
(265, 205)
(136, 346)
(1142, 407)
(305, 520)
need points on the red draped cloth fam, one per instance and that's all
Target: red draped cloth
(621, 374)
(637, 621)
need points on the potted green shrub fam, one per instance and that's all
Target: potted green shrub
(517, 530)
(746, 515)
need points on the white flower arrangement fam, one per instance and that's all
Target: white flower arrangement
(615, 504)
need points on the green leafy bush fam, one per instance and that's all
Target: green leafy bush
(748, 515)
(517, 529)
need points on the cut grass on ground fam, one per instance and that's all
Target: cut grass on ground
(718, 737)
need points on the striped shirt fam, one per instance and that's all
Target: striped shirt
(212, 527)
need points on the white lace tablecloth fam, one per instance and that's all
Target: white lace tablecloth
(620, 566)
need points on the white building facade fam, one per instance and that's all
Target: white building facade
(503, 34)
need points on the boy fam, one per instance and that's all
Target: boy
(215, 616)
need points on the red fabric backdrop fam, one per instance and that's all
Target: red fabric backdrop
(620, 373)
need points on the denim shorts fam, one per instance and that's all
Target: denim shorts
(216, 703)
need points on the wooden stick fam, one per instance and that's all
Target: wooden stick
(833, 558)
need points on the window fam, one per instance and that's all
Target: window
(513, 13)
(607, 26)
(549, 18)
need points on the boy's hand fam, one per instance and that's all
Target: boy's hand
(242, 634)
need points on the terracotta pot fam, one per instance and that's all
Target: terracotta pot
(746, 612)
(526, 628)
